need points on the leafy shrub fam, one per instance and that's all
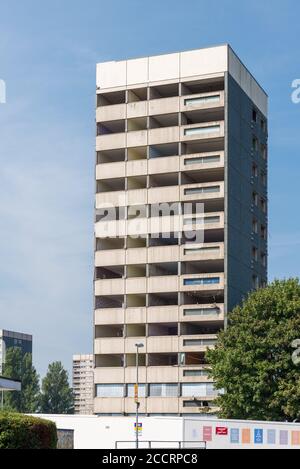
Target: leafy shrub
(18, 431)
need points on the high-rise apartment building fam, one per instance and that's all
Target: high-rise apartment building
(10, 339)
(83, 384)
(186, 131)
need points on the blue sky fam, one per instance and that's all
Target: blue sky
(48, 52)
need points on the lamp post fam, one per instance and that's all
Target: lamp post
(136, 396)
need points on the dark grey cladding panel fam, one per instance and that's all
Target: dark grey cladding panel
(240, 187)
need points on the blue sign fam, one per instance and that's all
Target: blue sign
(234, 435)
(258, 436)
(271, 437)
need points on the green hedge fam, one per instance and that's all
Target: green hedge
(19, 431)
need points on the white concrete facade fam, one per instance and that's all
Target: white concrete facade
(181, 66)
(168, 136)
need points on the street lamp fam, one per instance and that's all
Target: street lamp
(136, 395)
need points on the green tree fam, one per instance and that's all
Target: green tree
(252, 361)
(18, 366)
(57, 396)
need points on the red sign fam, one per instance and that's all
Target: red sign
(207, 433)
(221, 431)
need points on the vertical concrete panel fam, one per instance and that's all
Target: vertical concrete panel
(203, 61)
(137, 71)
(164, 67)
(110, 74)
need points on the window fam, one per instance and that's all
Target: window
(254, 144)
(130, 390)
(263, 151)
(202, 130)
(255, 198)
(263, 258)
(263, 232)
(255, 226)
(202, 100)
(254, 170)
(201, 312)
(263, 125)
(200, 342)
(201, 281)
(254, 115)
(189, 373)
(263, 178)
(254, 254)
(202, 190)
(202, 160)
(163, 390)
(109, 390)
(198, 390)
(201, 220)
(263, 205)
(211, 250)
(255, 282)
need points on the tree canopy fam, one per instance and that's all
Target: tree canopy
(57, 396)
(19, 367)
(252, 361)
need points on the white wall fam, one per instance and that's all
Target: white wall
(92, 432)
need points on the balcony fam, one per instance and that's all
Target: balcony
(163, 405)
(110, 141)
(166, 283)
(130, 342)
(109, 316)
(163, 135)
(110, 287)
(111, 112)
(137, 109)
(104, 405)
(164, 165)
(163, 344)
(107, 170)
(157, 195)
(162, 314)
(164, 105)
(121, 198)
(109, 375)
(110, 257)
(109, 345)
